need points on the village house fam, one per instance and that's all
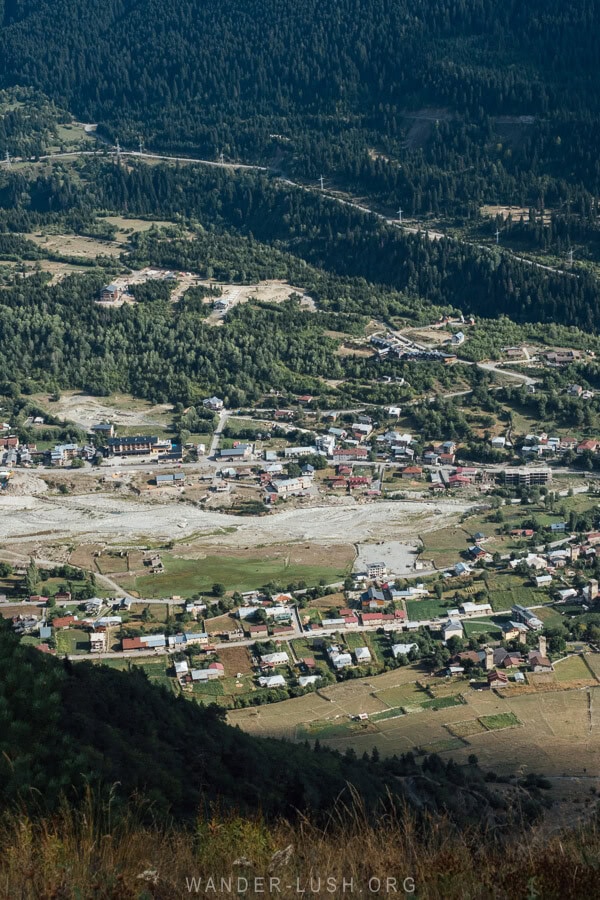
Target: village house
(522, 614)
(338, 659)
(271, 681)
(145, 642)
(61, 623)
(181, 669)
(403, 649)
(213, 671)
(538, 662)
(214, 403)
(497, 679)
(111, 293)
(270, 660)
(238, 452)
(306, 680)
(476, 609)
(97, 642)
(451, 628)
(104, 429)
(362, 655)
(588, 446)
(349, 454)
(512, 631)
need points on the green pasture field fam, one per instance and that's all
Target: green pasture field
(573, 668)
(184, 577)
(499, 721)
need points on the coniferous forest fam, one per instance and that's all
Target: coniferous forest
(434, 105)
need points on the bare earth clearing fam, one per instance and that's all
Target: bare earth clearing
(85, 410)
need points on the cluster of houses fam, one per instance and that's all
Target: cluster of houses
(268, 677)
(502, 665)
(189, 676)
(160, 642)
(544, 445)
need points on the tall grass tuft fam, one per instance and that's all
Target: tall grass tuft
(88, 852)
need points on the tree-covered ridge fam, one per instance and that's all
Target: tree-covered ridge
(281, 227)
(315, 87)
(240, 229)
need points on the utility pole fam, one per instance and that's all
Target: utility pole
(497, 235)
(118, 149)
(141, 146)
(571, 258)
(7, 160)
(221, 158)
(321, 180)
(400, 214)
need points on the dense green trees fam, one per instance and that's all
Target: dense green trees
(434, 106)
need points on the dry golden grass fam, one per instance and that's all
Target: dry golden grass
(86, 855)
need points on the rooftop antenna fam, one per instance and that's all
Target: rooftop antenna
(321, 180)
(497, 235)
(400, 214)
(7, 160)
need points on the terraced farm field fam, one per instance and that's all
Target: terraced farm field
(528, 732)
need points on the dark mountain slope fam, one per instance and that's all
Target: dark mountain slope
(201, 68)
(65, 727)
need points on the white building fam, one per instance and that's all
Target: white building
(338, 660)
(271, 681)
(295, 452)
(403, 649)
(451, 628)
(289, 486)
(274, 659)
(362, 654)
(305, 680)
(376, 570)
(476, 609)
